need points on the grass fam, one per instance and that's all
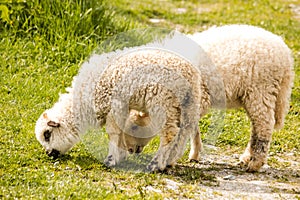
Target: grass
(42, 45)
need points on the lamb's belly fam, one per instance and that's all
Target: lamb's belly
(237, 80)
(233, 104)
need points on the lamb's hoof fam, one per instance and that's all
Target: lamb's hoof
(253, 165)
(241, 164)
(171, 165)
(194, 161)
(244, 160)
(153, 167)
(109, 161)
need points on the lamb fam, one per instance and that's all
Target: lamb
(151, 92)
(257, 70)
(154, 82)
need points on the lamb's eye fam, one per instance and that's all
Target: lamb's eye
(47, 135)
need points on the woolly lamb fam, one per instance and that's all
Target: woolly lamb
(257, 70)
(156, 82)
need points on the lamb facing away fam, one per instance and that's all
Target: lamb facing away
(154, 82)
(257, 71)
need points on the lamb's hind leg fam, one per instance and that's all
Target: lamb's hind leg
(172, 143)
(261, 114)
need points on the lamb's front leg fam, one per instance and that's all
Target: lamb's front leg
(116, 154)
(117, 150)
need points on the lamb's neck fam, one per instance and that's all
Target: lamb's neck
(84, 113)
(63, 111)
(213, 86)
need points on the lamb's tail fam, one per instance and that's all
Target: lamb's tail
(283, 98)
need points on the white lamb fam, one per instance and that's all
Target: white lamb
(154, 82)
(257, 71)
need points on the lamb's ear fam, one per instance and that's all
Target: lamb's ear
(53, 124)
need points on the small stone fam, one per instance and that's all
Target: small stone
(152, 189)
(236, 156)
(155, 21)
(170, 184)
(229, 177)
(181, 10)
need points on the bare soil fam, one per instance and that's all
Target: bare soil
(221, 178)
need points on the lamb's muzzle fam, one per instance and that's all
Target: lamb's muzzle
(53, 153)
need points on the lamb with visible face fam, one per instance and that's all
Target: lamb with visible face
(153, 78)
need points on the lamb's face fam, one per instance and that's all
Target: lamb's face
(135, 121)
(55, 135)
(126, 138)
(134, 144)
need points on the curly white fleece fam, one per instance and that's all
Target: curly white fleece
(257, 71)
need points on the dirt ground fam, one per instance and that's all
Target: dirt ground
(221, 178)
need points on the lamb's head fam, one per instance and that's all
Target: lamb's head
(131, 137)
(135, 144)
(136, 120)
(56, 134)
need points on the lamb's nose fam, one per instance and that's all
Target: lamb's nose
(54, 153)
(139, 149)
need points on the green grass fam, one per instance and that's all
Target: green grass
(42, 46)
